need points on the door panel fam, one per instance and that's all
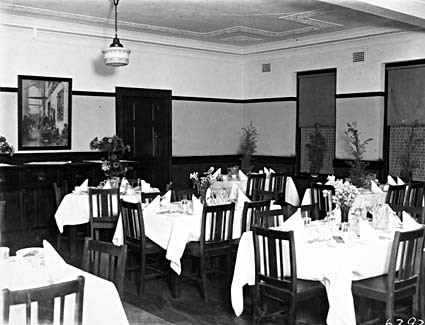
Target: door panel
(144, 122)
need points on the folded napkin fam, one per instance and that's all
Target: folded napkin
(296, 224)
(266, 171)
(84, 187)
(154, 206)
(390, 180)
(197, 206)
(217, 173)
(271, 170)
(242, 176)
(124, 184)
(374, 187)
(399, 181)
(166, 198)
(107, 185)
(144, 186)
(409, 223)
(366, 231)
(241, 197)
(393, 219)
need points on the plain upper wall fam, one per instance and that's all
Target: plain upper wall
(195, 73)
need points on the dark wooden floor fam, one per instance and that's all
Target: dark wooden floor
(189, 308)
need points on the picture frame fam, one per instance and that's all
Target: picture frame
(44, 113)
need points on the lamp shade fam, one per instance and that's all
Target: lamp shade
(116, 55)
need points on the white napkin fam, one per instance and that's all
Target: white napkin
(390, 180)
(124, 184)
(241, 198)
(271, 170)
(374, 187)
(107, 185)
(166, 198)
(217, 173)
(197, 205)
(409, 223)
(153, 207)
(144, 186)
(266, 171)
(295, 223)
(84, 187)
(393, 219)
(367, 233)
(242, 176)
(399, 181)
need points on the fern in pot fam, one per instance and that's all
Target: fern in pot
(248, 146)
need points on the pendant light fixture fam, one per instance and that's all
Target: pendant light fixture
(116, 55)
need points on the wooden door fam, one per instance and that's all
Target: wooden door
(144, 121)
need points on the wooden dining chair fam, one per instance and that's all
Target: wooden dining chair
(46, 302)
(276, 276)
(140, 248)
(104, 207)
(148, 197)
(271, 218)
(415, 194)
(277, 184)
(403, 278)
(417, 213)
(106, 260)
(255, 182)
(182, 194)
(321, 195)
(71, 233)
(261, 195)
(214, 242)
(2, 217)
(396, 194)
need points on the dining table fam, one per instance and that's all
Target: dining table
(101, 302)
(74, 210)
(322, 256)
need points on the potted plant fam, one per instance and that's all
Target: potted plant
(358, 149)
(316, 150)
(412, 144)
(248, 146)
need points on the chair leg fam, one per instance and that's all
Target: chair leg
(291, 314)
(141, 276)
(203, 274)
(389, 310)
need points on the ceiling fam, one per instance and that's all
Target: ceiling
(240, 24)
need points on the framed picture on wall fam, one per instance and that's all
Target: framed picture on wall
(44, 113)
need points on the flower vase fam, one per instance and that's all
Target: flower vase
(345, 210)
(202, 195)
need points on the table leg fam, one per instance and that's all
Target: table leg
(72, 240)
(175, 285)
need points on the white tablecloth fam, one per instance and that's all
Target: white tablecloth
(102, 303)
(364, 199)
(74, 209)
(334, 266)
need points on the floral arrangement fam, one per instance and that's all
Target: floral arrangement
(248, 146)
(114, 147)
(5, 147)
(413, 145)
(358, 149)
(345, 194)
(203, 182)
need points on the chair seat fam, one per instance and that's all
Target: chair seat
(375, 287)
(193, 248)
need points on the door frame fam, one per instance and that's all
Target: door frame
(166, 96)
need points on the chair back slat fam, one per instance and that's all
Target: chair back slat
(104, 207)
(249, 210)
(321, 195)
(106, 261)
(133, 223)
(217, 223)
(275, 261)
(255, 182)
(270, 218)
(406, 260)
(60, 190)
(415, 194)
(277, 182)
(45, 298)
(396, 194)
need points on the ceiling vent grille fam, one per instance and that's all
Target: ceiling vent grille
(266, 67)
(358, 56)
